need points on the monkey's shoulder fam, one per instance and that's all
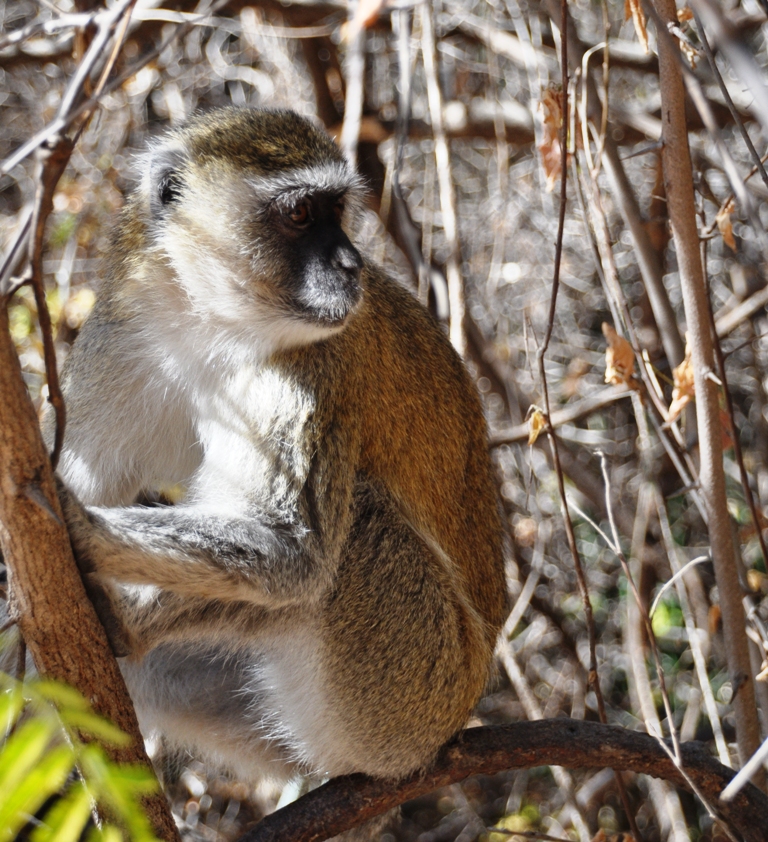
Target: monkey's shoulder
(407, 348)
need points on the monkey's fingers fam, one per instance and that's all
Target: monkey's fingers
(119, 639)
(79, 525)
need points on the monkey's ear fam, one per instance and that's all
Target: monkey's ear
(166, 182)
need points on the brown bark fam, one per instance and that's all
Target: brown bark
(678, 180)
(48, 600)
(349, 801)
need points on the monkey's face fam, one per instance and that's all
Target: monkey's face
(252, 225)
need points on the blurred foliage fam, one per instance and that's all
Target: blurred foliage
(54, 769)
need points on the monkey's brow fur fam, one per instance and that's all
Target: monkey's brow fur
(267, 141)
(327, 596)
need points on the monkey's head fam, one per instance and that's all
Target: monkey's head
(248, 209)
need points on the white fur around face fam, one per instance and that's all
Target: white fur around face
(206, 241)
(331, 177)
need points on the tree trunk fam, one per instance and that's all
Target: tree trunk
(48, 600)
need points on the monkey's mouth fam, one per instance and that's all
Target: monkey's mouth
(329, 309)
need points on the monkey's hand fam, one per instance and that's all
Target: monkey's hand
(80, 527)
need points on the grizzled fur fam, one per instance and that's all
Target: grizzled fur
(327, 595)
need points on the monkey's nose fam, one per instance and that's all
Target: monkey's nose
(347, 259)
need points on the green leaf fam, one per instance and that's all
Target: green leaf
(67, 818)
(120, 787)
(23, 801)
(95, 726)
(12, 702)
(107, 833)
(23, 750)
(62, 695)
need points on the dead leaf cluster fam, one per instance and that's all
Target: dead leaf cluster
(619, 359)
(551, 111)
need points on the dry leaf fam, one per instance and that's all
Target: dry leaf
(536, 423)
(689, 51)
(683, 393)
(551, 109)
(763, 674)
(619, 359)
(757, 581)
(724, 224)
(634, 9)
(686, 47)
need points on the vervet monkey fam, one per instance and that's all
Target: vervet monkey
(327, 595)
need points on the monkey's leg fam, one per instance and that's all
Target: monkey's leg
(405, 655)
(213, 703)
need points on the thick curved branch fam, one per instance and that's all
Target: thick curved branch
(349, 801)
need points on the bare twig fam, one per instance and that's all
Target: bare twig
(616, 546)
(573, 412)
(737, 52)
(445, 184)
(50, 166)
(14, 256)
(533, 712)
(668, 584)
(502, 177)
(624, 195)
(694, 639)
(571, 537)
(62, 123)
(728, 101)
(728, 322)
(750, 767)
(696, 93)
(52, 160)
(354, 74)
(696, 791)
(663, 797)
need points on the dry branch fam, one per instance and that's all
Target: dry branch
(567, 415)
(349, 801)
(678, 181)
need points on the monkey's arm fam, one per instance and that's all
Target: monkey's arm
(191, 569)
(267, 558)
(194, 554)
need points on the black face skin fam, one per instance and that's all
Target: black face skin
(323, 281)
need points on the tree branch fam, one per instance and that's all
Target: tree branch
(349, 801)
(678, 180)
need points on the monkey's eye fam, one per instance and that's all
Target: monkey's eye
(338, 210)
(301, 213)
(169, 187)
